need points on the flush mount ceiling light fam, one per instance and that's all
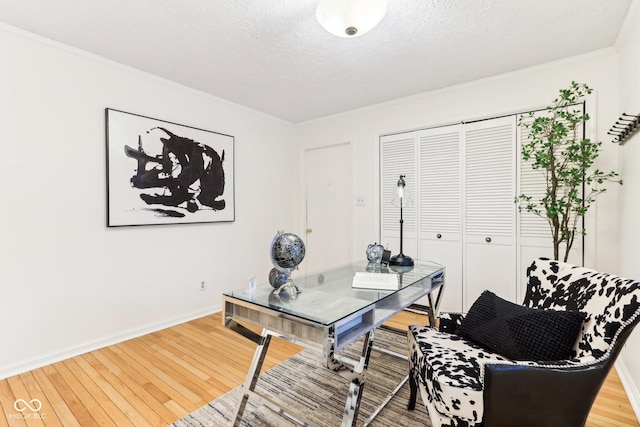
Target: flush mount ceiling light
(350, 18)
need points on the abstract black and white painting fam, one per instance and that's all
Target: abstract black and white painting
(160, 172)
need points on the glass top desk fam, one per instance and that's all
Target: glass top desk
(329, 313)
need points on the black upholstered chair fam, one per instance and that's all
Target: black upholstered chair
(463, 384)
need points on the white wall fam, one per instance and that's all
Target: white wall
(629, 252)
(515, 92)
(67, 282)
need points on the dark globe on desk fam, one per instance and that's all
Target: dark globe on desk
(277, 278)
(287, 251)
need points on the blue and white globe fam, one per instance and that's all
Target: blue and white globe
(287, 251)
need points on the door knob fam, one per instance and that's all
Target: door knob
(487, 239)
(309, 230)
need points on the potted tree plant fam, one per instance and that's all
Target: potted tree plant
(555, 148)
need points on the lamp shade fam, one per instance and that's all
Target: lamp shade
(403, 196)
(350, 18)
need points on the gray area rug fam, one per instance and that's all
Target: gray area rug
(303, 385)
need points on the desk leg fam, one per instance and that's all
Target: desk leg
(357, 383)
(434, 307)
(252, 375)
(432, 311)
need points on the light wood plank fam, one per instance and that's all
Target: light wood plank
(80, 412)
(162, 380)
(19, 388)
(63, 415)
(7, 398)
(84, 392)
(151, 405)
(34, 390)
(119, 396)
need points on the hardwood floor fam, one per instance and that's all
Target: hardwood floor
(157, 379)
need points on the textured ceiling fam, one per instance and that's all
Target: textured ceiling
(273, 56)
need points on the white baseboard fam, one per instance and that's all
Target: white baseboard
(95, 345)
(629, 387)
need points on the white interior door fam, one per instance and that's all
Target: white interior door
(489, 211)
(328, 206)
(398, 154)
(440, 207)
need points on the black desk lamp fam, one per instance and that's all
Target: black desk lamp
(402, 198)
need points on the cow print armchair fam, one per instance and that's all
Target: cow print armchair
(538, 364)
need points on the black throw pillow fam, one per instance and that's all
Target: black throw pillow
(518, 332)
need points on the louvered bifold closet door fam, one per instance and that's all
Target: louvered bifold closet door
(489, 256)
(398, 154)
(440, 213)
(534, 232)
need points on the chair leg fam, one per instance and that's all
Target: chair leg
(413, 392)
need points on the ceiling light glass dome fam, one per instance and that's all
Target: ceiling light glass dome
(350, 18)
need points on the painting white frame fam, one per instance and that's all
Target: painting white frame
(186, 176)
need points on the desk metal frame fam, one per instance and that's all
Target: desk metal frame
(331, 338)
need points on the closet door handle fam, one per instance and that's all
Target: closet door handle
(439, 236)
(487, 239)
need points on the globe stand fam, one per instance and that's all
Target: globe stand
(290, 288)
